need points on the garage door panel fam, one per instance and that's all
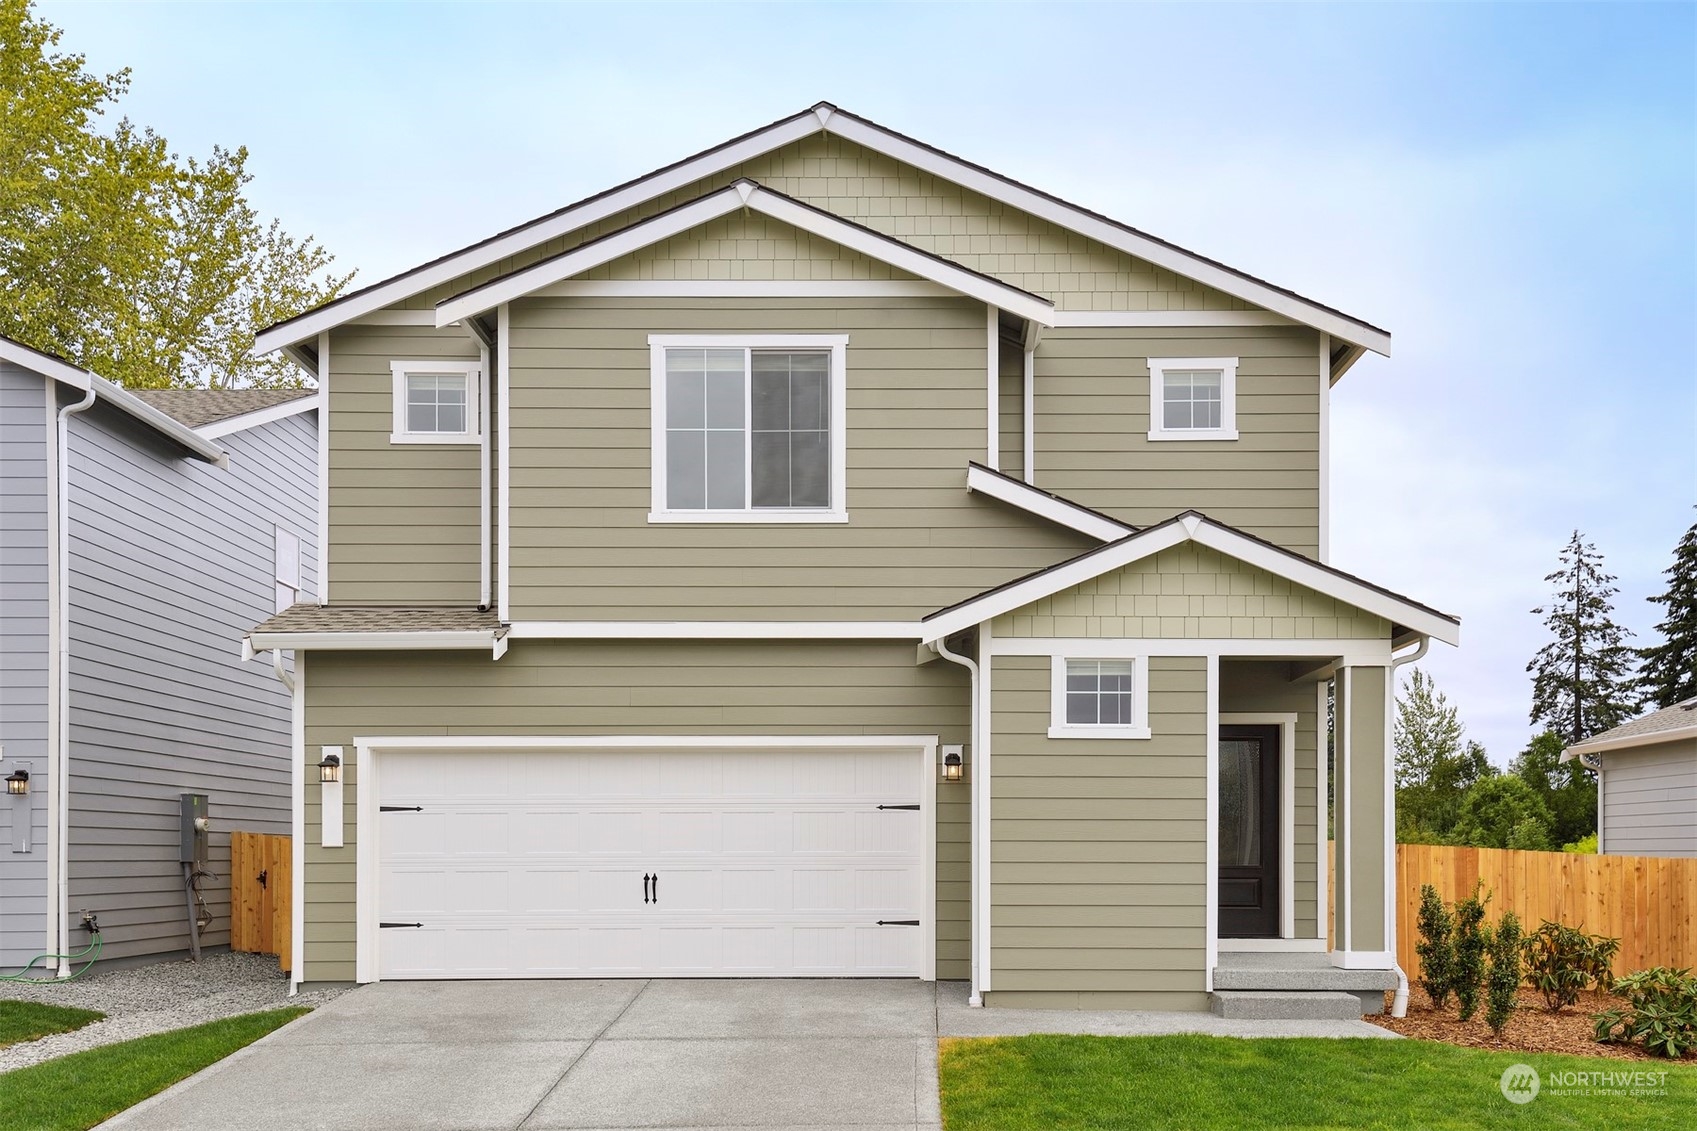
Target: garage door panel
(547, 832)
(547, 890)
(828, 833)
(478, 832)
(413, 836)
(752, 889)
(612, 832)
(756, 832)
(688, 833)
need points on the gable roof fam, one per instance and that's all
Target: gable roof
(212, 411)
(752, 196)
(55, 368)
(1669, 724)
(1034, 500)
(1193, 526)
(823, 117)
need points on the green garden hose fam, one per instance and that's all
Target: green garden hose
(93, 948)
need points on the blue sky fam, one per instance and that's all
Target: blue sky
(1512, 190)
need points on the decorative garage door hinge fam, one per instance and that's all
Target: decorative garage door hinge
(898, 922)
(898, 807)
(400, 924)
(400, 808)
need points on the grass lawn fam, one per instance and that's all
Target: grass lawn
(27, 1020)
(80, 1090)
(1057, 1083)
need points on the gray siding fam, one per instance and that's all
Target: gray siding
(1649, 800)
(23, 657)
(172, 561)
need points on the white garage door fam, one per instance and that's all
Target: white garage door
(624, 863)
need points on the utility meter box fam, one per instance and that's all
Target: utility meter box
(196, 829)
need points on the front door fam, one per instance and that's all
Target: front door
(1249, 832)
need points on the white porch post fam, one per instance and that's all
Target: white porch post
(1364, 820)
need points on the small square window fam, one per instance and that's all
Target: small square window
(1099, 698)
(436, 402)
(1193, 398)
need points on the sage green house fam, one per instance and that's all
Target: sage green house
(824, 556)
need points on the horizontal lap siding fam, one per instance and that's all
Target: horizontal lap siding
(23, 656)
(1099, 858)
(1649, 800)
(1093, 406)
(636, 687)
(582, 546)
(404, 518)
(172, 561)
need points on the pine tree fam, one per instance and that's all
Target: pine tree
(1669, 672)
(1582, 681)
(1433, 767)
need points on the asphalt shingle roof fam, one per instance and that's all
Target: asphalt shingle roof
(1677, 717)
(318, 618)
(195, 408)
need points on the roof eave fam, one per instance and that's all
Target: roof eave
(1628, 741)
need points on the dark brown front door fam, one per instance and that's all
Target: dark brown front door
(1249, 832)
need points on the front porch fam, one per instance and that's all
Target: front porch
(1288, 986)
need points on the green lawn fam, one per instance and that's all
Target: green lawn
(27, 1020)
(1056, 1083)
(78, 1091)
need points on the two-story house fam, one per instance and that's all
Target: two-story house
(824, 556)
(141, 534)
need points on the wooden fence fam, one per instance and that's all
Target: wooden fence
(261, 885)
(1648, 902)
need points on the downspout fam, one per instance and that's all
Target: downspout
(1399, 1003)
(976, 996)
(59, 753)
(297, 816)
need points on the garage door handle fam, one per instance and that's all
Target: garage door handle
(656, 887)
(914, 807)
(645, 878)
(898, 922)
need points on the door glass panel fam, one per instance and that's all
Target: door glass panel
(1240, 802)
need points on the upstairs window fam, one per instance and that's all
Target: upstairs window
(748, 429)
(436, 402)
(1193, 398)
(286, 571)
(1099, 697)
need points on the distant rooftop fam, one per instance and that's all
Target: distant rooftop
(196, 408)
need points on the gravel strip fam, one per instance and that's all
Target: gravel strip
(155, 998)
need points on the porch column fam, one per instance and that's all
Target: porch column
(1364, 820)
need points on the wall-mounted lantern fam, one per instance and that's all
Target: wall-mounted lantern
(330, 796)
(954, 766)
(17, 783)
(330, 768)
(17, 789)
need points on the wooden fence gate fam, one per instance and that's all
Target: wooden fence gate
(261, 885)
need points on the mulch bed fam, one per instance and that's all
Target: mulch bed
(1531, 1029)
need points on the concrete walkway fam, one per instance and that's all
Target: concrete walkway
(624, 1054)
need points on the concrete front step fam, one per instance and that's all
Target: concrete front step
(1286, 1005)
(1286, 973)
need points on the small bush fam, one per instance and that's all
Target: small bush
(1584, 846)
(1561, 961)
(1661, 1012)
(1504, 980)
(1470, 940)
(1436, 948)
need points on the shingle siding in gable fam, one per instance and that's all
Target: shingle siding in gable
(173, 560)
(23, 655)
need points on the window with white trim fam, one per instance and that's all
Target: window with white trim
(1193, 398)
(286, 568)
(748, 429)
(1099, 697)
(436, 402)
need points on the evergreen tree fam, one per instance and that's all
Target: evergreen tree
(1669, 672)
(1503, 812)
(1566, 788)
(1581, 680)
(1434, 767)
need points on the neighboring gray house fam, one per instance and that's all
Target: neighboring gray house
(1646, 783)
(149, 530)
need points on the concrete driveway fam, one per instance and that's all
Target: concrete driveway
(570, 1054)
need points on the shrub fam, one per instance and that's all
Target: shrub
(1529, 835)
(1661, 1012)
(1584, 846)
(1504, 981)
(1561, 961)
(1470, 940)
(1436, 948)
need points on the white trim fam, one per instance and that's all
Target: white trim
(368, 829)
(1162, 319)
(1028, 403)
(1387, 814)
(1211, 819)
(1204, 531)
(330, 822)
(1325, 470)
(1627, 741)
(743, 288)
(504, 465)
(743, 194)
(54, 467)
(1366, 652)
(485, 566)
(1345, 715)
(983, 802)
(1322, 812)
(297, 826)
(260, 417)
(715, 630)
(1158, 367)
(324, 470)
(1602, 846)
(1058, 725)
(1286, 722)
(1044, 505)
(372, 641)
(837, 344)
(1272, 946)
(993, 390)
(45, 364)
(396, 318)
(1363, 959)
(471, 371)
(824, 117)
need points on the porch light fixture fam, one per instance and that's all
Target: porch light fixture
(330, 797)
(330, 768)
(952, 763)
(17, 783)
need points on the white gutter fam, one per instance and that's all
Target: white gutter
(450, 640)
(1399, 1003)
(1627, 741)
(297, 817)
(976, 734)
(59, 694)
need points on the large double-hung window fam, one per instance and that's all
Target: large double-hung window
(748, 429)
